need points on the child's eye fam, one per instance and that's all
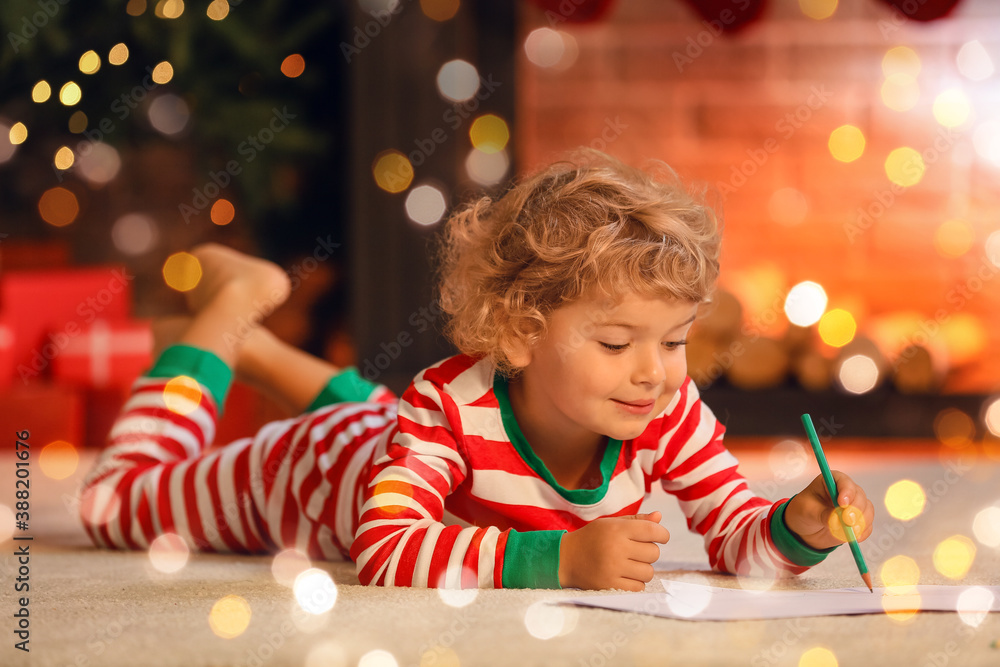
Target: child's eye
(671, 345)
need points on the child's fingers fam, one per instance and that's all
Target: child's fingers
(648, 531)
(848, 492)
(652, 516)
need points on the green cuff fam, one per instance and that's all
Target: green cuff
(345, 387)
(791, 545)
(531, 559)
(203, 366)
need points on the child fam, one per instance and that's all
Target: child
(520, 462)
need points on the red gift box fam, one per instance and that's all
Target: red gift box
(47, 411)
(47, 309)
(6, 354)
(105, 354)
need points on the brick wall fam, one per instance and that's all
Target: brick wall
(706, 104)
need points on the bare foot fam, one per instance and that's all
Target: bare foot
(262, 284)
(253, 352)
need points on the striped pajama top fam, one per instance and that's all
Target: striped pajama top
(437, 488)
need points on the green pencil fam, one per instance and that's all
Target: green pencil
(831, 487)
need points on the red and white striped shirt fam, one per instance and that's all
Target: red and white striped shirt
(433, 489)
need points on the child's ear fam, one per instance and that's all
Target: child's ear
(518, 353)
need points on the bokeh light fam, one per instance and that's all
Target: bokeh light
(788, 206)
(439, 10)
(99, 504)
(425, 205)
(954, 238)
(805, 303)
(905, 500)
(163, 72)
(169, 553)
(70, 93)
(544, 620)
(952, 108)
(289, 564)
(18, 133)
(487, 168)
(229, 617)
(973, 605)
(986, 526)
(64, 158)
(788, 459)
(846, 143)
(327, 653)
(818, 9)
(449, 587)
(58, 459)
(98, 163)
(544, 47)
(135, 7)
(818, 656)
(901, 60)
(392, 171)
(974, 62)
(90, 62)
(953, 557)
(899, 571)
(837, 327)
(58, 207)
(489, 133)
(293, 66)
(457, 80)
(986, 141)
(182, 271)
(685, 600)
(904, 166)
(168, 114)
(954, 428)
(315, 591)
(991, 416)
(222, 212)
(217, 10)
(965, 336)
(992, 248)
(182, 394)
(134, 234)
(901, 604)
(378, 658)
(77, 122)
(169, 9)
(900, 92)
(439, 656)
(41, 91)
(118, 55)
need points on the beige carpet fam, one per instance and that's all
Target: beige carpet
(92, 607)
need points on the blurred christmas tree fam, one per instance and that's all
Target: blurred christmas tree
(253, 92)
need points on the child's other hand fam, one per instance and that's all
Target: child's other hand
(810, 514)
(613, 552)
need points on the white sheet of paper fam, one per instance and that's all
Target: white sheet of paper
(697, 602)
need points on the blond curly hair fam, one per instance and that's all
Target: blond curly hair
(587, 225)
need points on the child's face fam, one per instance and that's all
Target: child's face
(577, 383)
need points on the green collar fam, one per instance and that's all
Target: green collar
(513, 429)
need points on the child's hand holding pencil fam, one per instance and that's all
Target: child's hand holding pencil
(810, 514)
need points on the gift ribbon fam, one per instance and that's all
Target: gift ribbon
(101, 341)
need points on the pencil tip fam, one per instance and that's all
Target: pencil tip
(868, 581)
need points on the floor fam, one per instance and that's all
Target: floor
(94, 607)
